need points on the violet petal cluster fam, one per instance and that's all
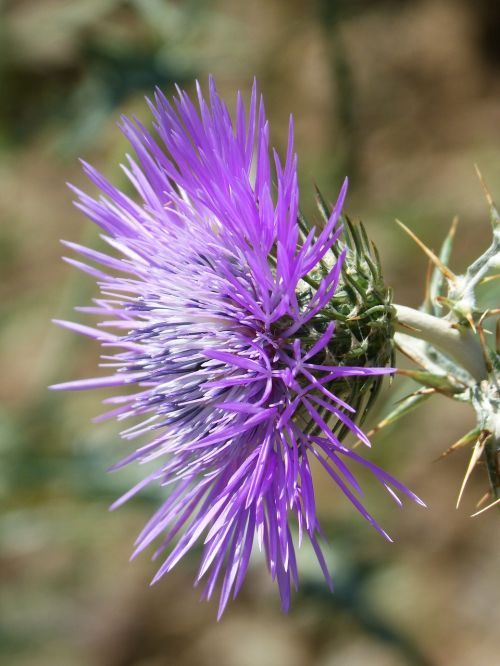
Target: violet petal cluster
(201, 313)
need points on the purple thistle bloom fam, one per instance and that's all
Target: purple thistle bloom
(205, 301)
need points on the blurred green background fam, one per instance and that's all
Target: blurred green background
(404, 97)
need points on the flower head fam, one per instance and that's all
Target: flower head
(213, 309)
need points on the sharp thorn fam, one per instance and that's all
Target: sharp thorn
(483, 499)
(490, 278)
(463, 441)
(487, 194)
(497, 501)
(470, 319)
(433, 257)
(476, 454)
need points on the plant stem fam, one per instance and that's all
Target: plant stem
(461, 344)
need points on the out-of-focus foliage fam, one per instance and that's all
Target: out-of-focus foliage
(401, 96)
(73, 63)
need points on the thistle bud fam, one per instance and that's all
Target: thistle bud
(362, 311)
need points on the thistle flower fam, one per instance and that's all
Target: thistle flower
(222, 331)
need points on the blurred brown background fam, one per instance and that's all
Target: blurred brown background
(403, 96)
